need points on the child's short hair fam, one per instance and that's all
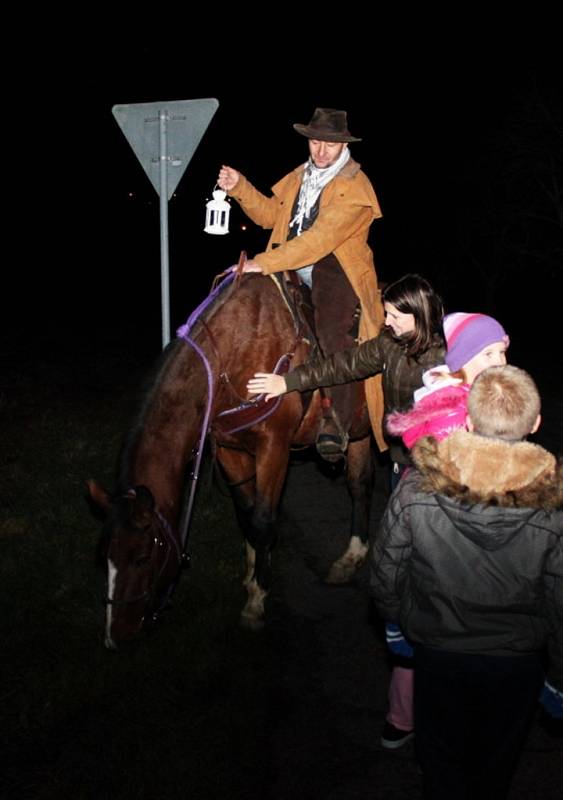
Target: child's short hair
(504, 402)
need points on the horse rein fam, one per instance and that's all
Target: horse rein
(233, 275)
(167, 539)
(184, 333)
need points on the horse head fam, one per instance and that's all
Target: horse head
(143, 561)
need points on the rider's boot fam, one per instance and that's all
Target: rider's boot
(332, 439)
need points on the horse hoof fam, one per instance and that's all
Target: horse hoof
(251, 623)
(341, 573)
(347, 565)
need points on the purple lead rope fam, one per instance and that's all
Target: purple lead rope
(184, 333)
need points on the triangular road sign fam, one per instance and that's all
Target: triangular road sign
(175, 125)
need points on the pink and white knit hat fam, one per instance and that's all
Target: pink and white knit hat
(467, 334)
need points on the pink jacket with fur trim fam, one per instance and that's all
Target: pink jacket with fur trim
(438, 414)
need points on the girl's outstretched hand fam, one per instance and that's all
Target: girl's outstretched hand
(266, 382)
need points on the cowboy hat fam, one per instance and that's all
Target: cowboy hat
(327, 125)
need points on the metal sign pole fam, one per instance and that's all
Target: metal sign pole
(181, 124)
(164, 252)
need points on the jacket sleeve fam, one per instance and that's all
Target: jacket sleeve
(261, 209)
(390, 554)
(336, 223)
(553, 583)
(353, 364)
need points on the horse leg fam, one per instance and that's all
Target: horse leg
(360, 485)
(272, 457)
(240, 471)
(255, 503)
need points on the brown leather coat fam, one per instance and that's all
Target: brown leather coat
(384, 355)
(348, 206)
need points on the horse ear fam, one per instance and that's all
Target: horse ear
(98, 494)
(144, 500)
(142, 507)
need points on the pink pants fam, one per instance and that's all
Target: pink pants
(400, 712)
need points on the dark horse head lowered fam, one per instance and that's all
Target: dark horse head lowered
(144, 553)
(245, 327)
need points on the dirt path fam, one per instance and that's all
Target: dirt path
(329, 669)
(201, 708)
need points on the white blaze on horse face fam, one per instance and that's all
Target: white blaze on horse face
(112, 577)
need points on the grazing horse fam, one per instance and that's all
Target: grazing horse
(245, 325)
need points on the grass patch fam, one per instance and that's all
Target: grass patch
(83, 722)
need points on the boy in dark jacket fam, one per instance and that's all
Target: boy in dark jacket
(469, 563)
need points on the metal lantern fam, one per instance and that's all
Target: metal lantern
(217, 213)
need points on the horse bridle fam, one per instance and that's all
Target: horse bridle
(168, 539)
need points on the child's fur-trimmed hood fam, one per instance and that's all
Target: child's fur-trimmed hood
(475, 469)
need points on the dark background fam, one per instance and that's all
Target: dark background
(462, 137)
(462, 132)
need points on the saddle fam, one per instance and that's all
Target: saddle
(297, 297)
(250, 412)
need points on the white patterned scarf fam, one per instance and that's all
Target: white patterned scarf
(314, 181)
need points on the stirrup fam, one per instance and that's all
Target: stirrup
(331, 447)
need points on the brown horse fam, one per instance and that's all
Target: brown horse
(247, 326)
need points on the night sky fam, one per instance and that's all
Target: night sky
(446, 125)
(462, 128)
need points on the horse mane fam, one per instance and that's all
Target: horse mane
(153, 381)
(149, 389)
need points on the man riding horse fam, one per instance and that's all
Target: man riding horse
(320, 214)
